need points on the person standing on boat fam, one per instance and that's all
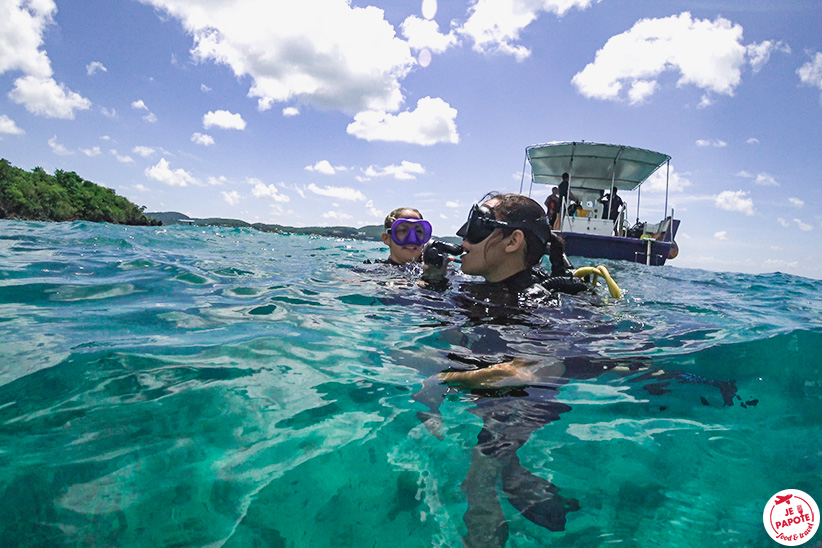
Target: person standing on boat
(611, 203)
(566, 195)
(565, 189)
(552, 204)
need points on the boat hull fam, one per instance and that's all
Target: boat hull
(635, 250)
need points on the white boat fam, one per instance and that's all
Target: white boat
(596, 169)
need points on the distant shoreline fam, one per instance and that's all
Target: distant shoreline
(371, 233)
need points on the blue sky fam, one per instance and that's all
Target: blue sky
(325, 112)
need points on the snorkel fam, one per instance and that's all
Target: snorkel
(435, 253)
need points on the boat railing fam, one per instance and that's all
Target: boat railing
(656, 231)
(619, 224)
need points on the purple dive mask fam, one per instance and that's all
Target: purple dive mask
(410, 232)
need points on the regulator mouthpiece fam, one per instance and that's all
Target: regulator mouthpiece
(435, 253)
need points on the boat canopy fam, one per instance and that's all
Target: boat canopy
(593, 165)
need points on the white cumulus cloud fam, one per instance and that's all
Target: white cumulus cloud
(141, 105)
(22, 25)
(324, 167)
(121, 157)
(711, 143)
(432, 122)
(763, 179)
(811, 72)
(738, 201)
(759, 54)
(326, 53)
(163, 173)
(803, 226)
(223, 119)
(9, 127)
(373, 211)
(46, 97)
(796, 202)
(721, 235)
(267, 192)
(57, 148)
(706, 54)
(143, 151)
(94, 67)
(232, 198)
(339, 192)
(405, 171)
(425, 34)
(494, 26)
(656, 183)
(202, 139)
(337, 216)
(290, 112)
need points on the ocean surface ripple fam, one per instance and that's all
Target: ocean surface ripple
(206, 386)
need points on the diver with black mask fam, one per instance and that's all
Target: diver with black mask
(510, 350)
(504, 240)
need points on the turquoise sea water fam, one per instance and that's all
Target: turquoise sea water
(183, 386)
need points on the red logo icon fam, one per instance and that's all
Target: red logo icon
(791, 517)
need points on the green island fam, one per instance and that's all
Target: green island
(65, 196)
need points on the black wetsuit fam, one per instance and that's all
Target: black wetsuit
(512, 346)
(382, 261)
(611, 206)
(552, 204)
(530, 279)
(498, 315)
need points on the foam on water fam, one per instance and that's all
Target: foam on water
(184, 386)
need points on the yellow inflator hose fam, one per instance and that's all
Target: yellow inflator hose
(600, 270)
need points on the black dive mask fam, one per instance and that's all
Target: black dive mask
(481, 223)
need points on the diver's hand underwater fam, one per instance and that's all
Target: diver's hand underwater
(515, 371)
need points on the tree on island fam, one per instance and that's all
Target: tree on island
(64, 196)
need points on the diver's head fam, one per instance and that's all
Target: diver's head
(405, 232)
(504, 234)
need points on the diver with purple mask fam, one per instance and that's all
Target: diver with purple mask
(405, 233)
